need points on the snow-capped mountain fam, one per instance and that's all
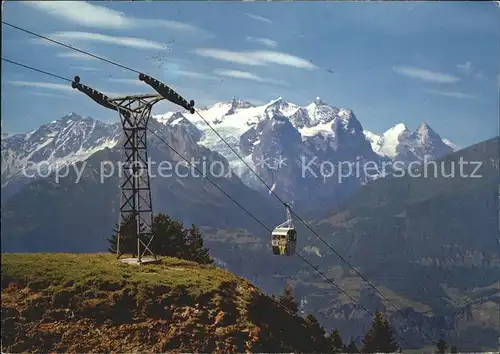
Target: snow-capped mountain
(399, 143)
(278, 140)
(69, 139)
(282, 131)
(285, 134)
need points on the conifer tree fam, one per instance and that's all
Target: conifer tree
(441, 346)
(195, 246)
(351, 348)
(170, 239)
(315, 325)
(287, 300)
(128, 240)
(335, 341)
(380, 337)
(317, 334)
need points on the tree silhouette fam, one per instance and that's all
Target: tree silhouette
(335, 341)
(453, 349)
(314, 324)
(287, 300)
(195, 246)
(380, 337)
(128, 240)
(351, 348)
(171, 239)
(441, 346)
(317, 334)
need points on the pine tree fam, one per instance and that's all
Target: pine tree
(315, 325)
(380, 337)
(335, 341)
(128, 240)
(287, 300)
(453, 349)
(170, 239)
(441, 346)
(351, 348)
(317, 334)
(196, 250)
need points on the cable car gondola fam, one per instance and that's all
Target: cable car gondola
(284, 237)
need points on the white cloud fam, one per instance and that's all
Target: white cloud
(60, 87)
(425, 75)
(226, 55)
(132, 42)
(190, 74)
(44, 85)
(466, 68)
(259, 18)
(92, 15)
(84, 68)
(236, 74)
(451, 94)
(128, 81)
(75, 55)
(264, 41)
(257, 58)
(48, 94)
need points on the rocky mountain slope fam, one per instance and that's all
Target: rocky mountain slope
(81, 303)
(35, 154)
(286, 144)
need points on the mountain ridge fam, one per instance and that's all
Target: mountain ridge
(321, 131)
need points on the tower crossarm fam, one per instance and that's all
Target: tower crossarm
(95, 95)
(167, 92)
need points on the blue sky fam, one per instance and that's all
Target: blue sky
(388, 62)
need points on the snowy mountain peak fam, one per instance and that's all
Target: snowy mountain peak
(236, 103)
(272, 129)
(69, 139)
(280, 107)
(396, 130)
(451, 145)
(346, 115)
(278, 100)
(344, 121)
(399, 141)
(71, 115)
(426, 133)
(278, 103)
(175, 118)
(319, 102)
(388, 142)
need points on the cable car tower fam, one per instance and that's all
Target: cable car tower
(136, 209)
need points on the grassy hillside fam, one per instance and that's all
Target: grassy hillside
(80, 303)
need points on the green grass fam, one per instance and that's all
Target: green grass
(100, 273)
(139, 308)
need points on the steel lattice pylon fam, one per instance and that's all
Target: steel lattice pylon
(135, 201)
(136, 207)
